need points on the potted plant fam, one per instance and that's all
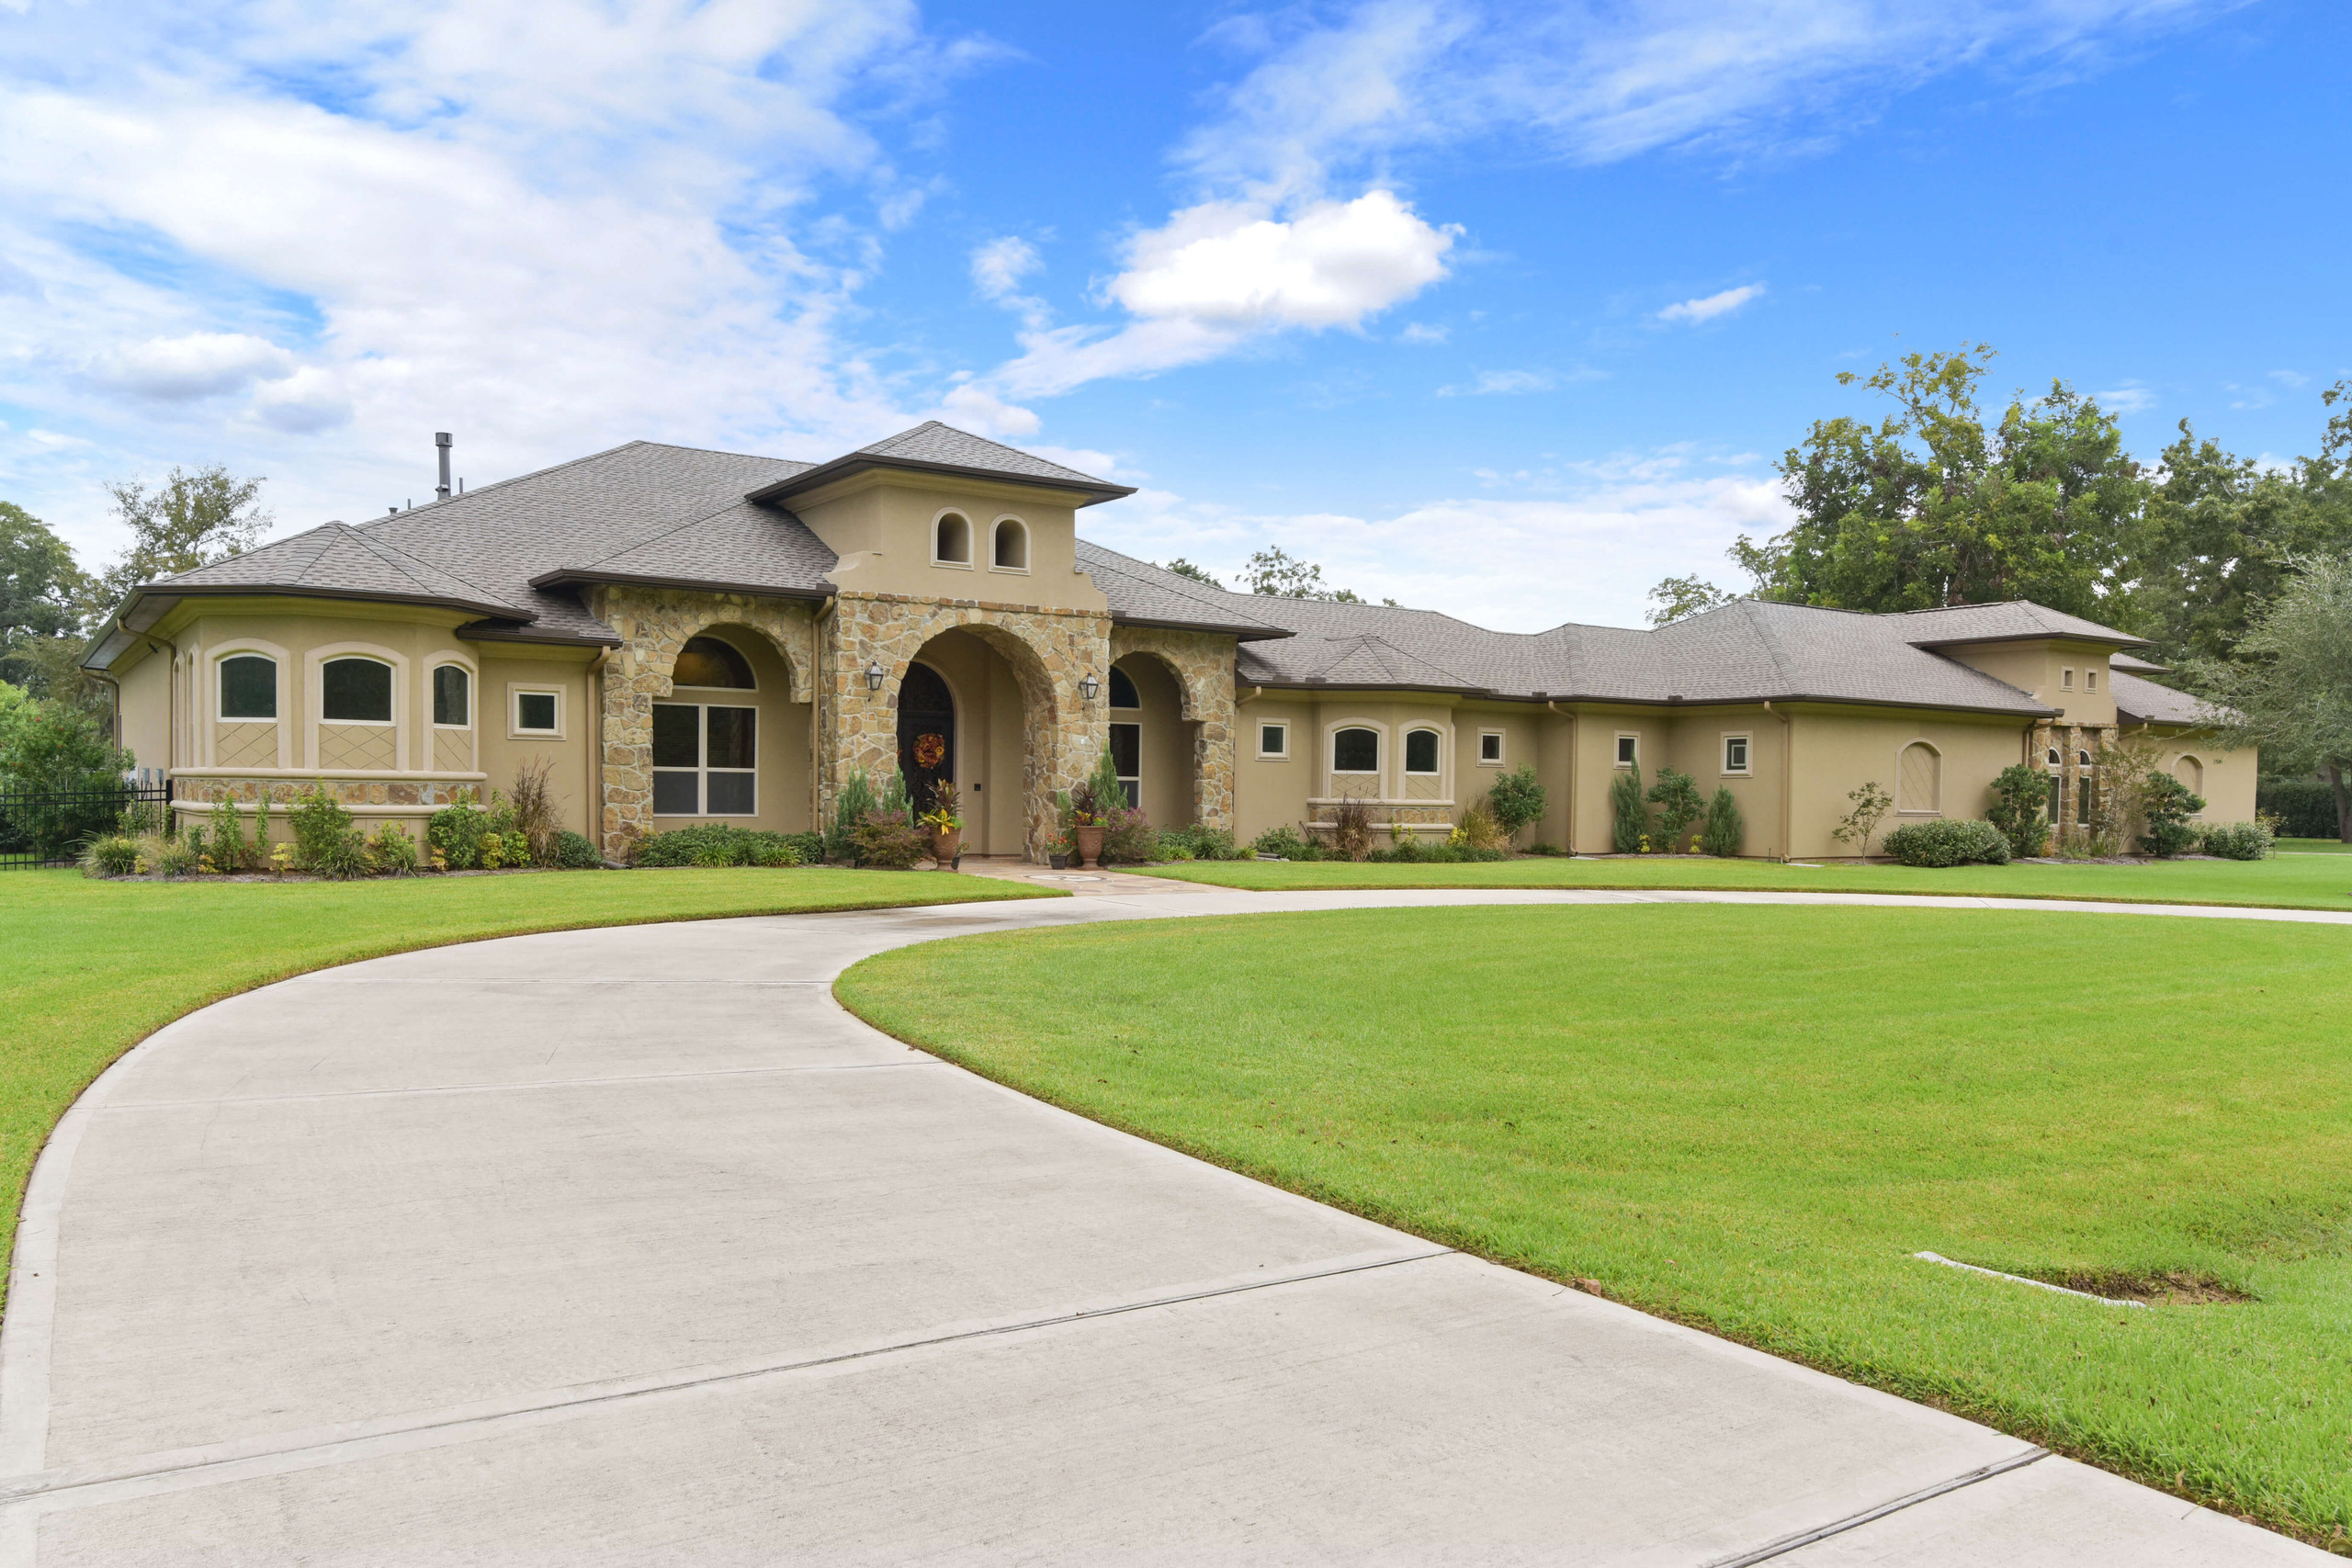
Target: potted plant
(1086, 825)
(946, 828)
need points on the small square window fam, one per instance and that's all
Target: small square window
(2065, 680)
(535, 713)
(1625, 749)
(1273, 741)
(1490, 747)
(2090, 680)
(1734, 753)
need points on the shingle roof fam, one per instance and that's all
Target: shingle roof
(2003, 622)
(739, 547)
(942, 448)
(2139, 701)
(1142, 595)
(336, 560)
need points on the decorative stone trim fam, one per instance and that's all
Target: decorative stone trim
(653, 624)
(426, 794)
(1201, 663)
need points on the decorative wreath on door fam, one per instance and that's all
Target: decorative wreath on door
(929, 750)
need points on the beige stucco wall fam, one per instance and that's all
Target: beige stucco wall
(2228, 777)
(1838, 750)
(881, 524)
(2042, 670)
(1167, 741)
(1270, 792)
(145, 709)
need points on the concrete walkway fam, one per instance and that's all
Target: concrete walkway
(630, 1245)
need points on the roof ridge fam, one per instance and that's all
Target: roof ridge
(694, 522)
(387, 552)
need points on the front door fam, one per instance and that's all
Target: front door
(926, 733)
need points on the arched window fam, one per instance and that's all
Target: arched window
(1919, 778)
(248, 688)
(453, 703)
(2190, 772)
(2053, 757)
(1012, 549)
(1356, 751)
(1420, 751)
(355, 691)
(707, 662)
(951, 540)
(1122, 690)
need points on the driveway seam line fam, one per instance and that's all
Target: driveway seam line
(19, 1492)
(1789, 1543)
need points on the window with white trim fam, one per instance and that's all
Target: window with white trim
(1355, 749)
(951, 540)
(1735, 753)
(453, 696)
(1421, 752)
(355, 691)
(1490, 748)
(2090, 680)
(1273, 741)
(1127, 759)
(249, 689)
(2067, 680)
(704, 760)
(535, 711)
(1628, 751)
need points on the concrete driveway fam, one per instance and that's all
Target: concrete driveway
(631, 1247)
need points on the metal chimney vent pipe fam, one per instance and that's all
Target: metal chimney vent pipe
(441, 441)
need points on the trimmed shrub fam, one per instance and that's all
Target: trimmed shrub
(2020, 808)
(1723, 829)
(808, 847)
(2305, 807)
(575, 852)
(116, 855)
(1676, 795)
(1629, 819)
(1287, 842)
(1127, 837)
(1546, 849)
(456, 830)
(2239, 840)
(1516, 799)
(1413, 850)
(886, 840)
(1200, 843)
(2165, 806)
(714, 844)
(326, 840)
(392, 852)
(1947, 842)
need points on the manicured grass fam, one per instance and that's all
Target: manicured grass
(1749, 1119)
(2314, 847)
(93, 967)
(2299, 882)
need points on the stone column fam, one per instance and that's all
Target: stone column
(1202, 665)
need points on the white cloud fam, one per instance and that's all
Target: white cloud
(2290, 379)
(998, 267)
(2130, 398)
(1714, 305)
(1422, 332)
(975, 408)
(1501, 383)
(193, 366)
(1588, 553)
(1217, 275)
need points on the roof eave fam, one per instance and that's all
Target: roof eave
(566, 576)
(1237, 633)
(101, 653)
(1096, 491)
(2116, 640)
(485, 631)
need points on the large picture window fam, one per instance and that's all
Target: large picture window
(355, 691)
(704, 760)
(248, 688)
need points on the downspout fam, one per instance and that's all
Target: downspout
(1788, 778)
(1568, 811)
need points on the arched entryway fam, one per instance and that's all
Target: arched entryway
(1152, 741)
(926, 733)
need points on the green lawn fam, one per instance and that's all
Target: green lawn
(1749, 1119)
(95, 967)
(2313, 847)
(2301, 882)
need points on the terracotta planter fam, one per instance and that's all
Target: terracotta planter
(1090, 845)
(945, 845)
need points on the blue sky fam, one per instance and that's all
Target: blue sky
(1502, 312)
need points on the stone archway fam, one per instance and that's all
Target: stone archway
(1047, 650)
(654, 624)
(1202, 665)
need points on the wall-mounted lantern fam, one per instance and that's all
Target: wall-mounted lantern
(874, 674)
(1088, 685)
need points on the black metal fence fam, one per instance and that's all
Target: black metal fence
(49, 826)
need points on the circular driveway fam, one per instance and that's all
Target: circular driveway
(630, 1245)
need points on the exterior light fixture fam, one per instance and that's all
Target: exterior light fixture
(874, 675)
(1088, 685)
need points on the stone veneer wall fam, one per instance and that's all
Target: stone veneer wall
(2071, 740)
(1202, 665)
(429, 794)
(653, 624)
(1048, 650)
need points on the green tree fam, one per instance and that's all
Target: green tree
(1930, 507)
(1680, 804)
(43, 597)
(52, 746)
(191, 520)
(1277, 574)
(1629, 819)
(2288, 686)
(2021, 799)
(1516, 799)
(1676, 598)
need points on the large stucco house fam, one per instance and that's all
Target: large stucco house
(692, 636)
